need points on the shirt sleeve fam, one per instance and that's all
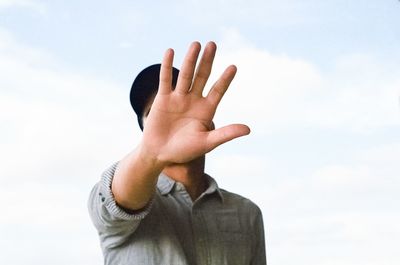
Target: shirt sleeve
(113, 223)
(259, 255)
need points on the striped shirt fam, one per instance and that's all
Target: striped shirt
(218, 228)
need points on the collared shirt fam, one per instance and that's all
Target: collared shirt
(218, 228)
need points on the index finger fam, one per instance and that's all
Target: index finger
(219, 88)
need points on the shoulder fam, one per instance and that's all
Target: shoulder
(240, 202)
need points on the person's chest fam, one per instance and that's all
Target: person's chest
(178, 232)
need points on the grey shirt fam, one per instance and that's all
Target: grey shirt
(218, 228)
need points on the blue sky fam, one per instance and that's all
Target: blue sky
(318, 82)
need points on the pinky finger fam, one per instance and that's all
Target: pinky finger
(165, 85)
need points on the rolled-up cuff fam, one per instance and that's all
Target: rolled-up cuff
(107, 198)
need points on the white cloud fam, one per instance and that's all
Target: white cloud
(59, 131)
(55, 118)
(31, 4)
(231, 169)
(125, 44)
(342, 208)
(45, 222)
(270, 13)
(340, 176)
(274, 92)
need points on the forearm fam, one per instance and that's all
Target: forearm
(135, 179)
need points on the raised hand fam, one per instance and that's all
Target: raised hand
(179, 127)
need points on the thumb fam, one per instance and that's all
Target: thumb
(225, 134)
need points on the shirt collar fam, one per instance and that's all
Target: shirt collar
(165, 185)
(213, 187)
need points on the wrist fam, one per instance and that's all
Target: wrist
(150, 159)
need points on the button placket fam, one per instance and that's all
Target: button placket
(183, 193)
(200, 236)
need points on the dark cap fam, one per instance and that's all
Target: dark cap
(145, 86)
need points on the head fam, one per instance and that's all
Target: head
(144, 90)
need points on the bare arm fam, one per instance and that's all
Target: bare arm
(178, 128)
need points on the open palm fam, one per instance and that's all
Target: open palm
(179, 127)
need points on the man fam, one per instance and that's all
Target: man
(156, 205)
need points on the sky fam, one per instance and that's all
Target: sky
(318, 83)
